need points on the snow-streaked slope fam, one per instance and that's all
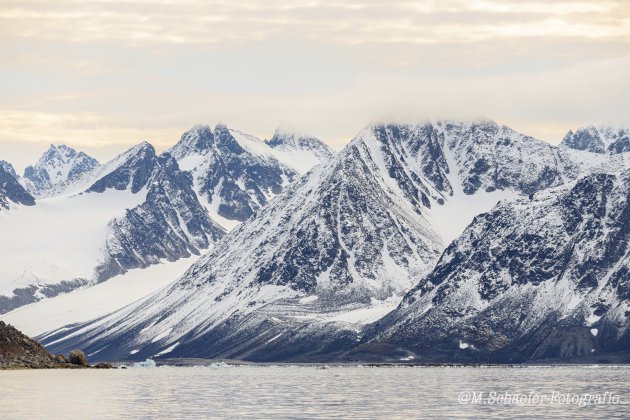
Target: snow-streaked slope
(58, 165)
(88, 303)
(299, 151)
(61, 238)
(599, 139)
(235, 174)
(528, 280)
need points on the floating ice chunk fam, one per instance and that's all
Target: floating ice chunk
(463, 345)
(146, 364)
(594, 331)
(134, 351)
(406, 359)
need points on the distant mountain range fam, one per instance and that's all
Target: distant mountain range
(441, 241)
(90, 222)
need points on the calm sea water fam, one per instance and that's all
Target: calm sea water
(311, 392)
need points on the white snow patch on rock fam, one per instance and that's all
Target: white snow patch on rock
(309, 299)
(168, 349)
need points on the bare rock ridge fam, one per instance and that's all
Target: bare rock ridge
(170, 223)
(237, 174)
(8, 168)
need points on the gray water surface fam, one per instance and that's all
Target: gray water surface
(312, 392)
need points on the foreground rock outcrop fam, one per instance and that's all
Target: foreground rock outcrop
(17, 351)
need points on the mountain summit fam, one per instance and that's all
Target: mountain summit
(599, 139)
(59, 164)
(236, 174)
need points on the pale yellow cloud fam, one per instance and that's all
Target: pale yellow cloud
(353, 22)
(97, 73)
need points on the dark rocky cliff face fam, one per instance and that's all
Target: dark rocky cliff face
(133, 175)
(8, 168)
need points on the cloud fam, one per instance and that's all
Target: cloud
(215, 23)
(114, 72)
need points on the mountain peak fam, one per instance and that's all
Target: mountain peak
(58, 164)
(224, 139)
(8, 168)
(290, 141)
(196, 141)
(598, 139)
(132, 168)
(289, 137)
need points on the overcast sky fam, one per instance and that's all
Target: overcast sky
(103, 75)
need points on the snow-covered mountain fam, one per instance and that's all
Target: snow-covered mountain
(131, 170)
(170, 224)
(235, 174)
(303, 151)
(58, 165)
(136, 210)
(11, 192)
(543, 277)
(139, 209)
(337, 249)
(599, 139)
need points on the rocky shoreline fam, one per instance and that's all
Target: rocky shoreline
(18, 351)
